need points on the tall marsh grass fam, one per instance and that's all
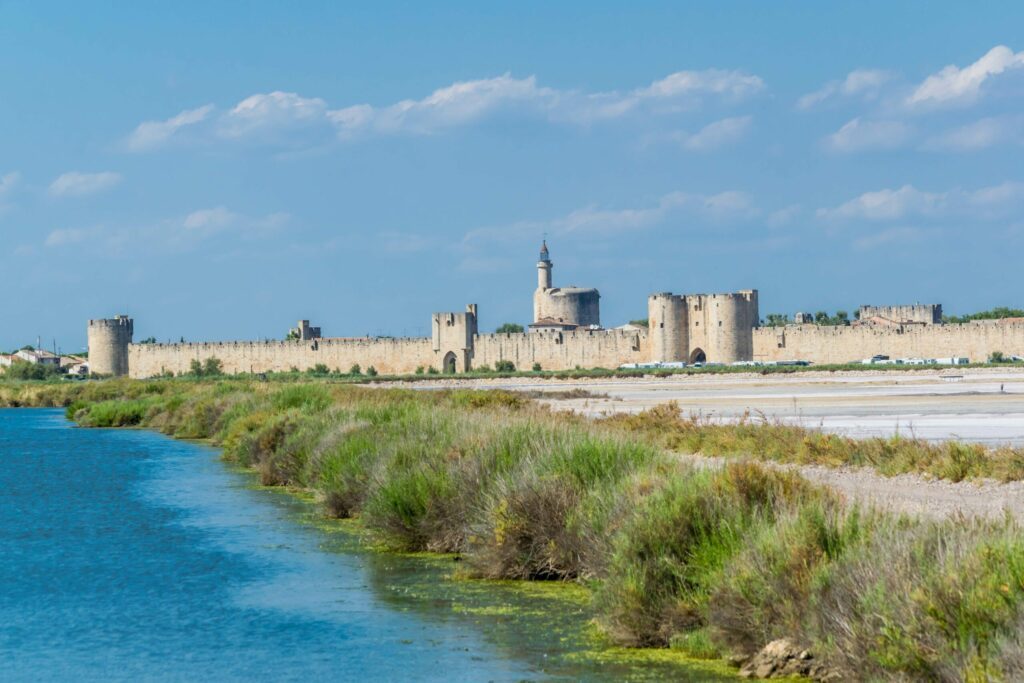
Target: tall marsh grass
(712, 561)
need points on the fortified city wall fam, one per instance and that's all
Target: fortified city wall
(842, 344)
(563, 350)
(388, 356)
(929, 314)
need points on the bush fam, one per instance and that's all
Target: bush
(536, 367)
(505, 366)
(31, 371)
(671, 553)
(432, 370)
(419, 369)
(371, 371)
(997, 357)
(319, 370)
(355, 370)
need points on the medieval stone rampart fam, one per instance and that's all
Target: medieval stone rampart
(562, 350)
(388, 356)
(843, 344)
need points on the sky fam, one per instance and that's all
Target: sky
(221, 170)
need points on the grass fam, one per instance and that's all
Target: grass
(781, 442)
(708, 562)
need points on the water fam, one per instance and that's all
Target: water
(125, 555)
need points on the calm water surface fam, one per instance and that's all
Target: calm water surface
(125, 555)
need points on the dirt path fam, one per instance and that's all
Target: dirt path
(906, 493)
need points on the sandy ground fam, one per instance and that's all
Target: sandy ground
(982, 405)
(978, 405)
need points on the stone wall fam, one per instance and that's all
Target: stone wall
(562, 350)
(388, 356)
(929, 314)
(842, 344)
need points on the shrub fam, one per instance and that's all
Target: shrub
(371, 371)
(319, 370)
(31, 371)
(212, 367)
(432, 370)
(355, 370)
(419, 369)
(671, 553)
(536, 367)
(505, 366)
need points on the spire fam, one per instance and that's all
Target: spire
(544, 251)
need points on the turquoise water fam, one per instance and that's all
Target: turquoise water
(126, 555)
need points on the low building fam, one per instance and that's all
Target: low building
(38, 357)
(6, 359)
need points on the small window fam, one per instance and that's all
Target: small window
(719, 323)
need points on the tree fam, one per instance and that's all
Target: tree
(776, 320)
(148, 340)
(371, 371)
(641, 322)
(509, 328)
(213, 367)
(355, 370)
(821, 317)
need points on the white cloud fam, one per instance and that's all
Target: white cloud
(469, 101)
(863, 82)
(591, 221)
(953, 85)
(888, 236)
(716, 134)
(456, 104)
(859, 134)
(209, 219)
(150, 134)
(76, 184)
(980, 134)
(277, 109)
(8, 181)
(889, 204)
(65, 236)
(711, 81)
(784, 216)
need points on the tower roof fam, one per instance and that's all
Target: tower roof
(544, 251)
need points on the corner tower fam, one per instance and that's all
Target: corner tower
(108, 345)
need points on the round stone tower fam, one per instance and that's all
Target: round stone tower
(108, 345)
(579, 306)
(730, 326)
(668, 328)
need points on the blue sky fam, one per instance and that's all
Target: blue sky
(219, 170)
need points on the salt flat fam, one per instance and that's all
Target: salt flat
(983, 405)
